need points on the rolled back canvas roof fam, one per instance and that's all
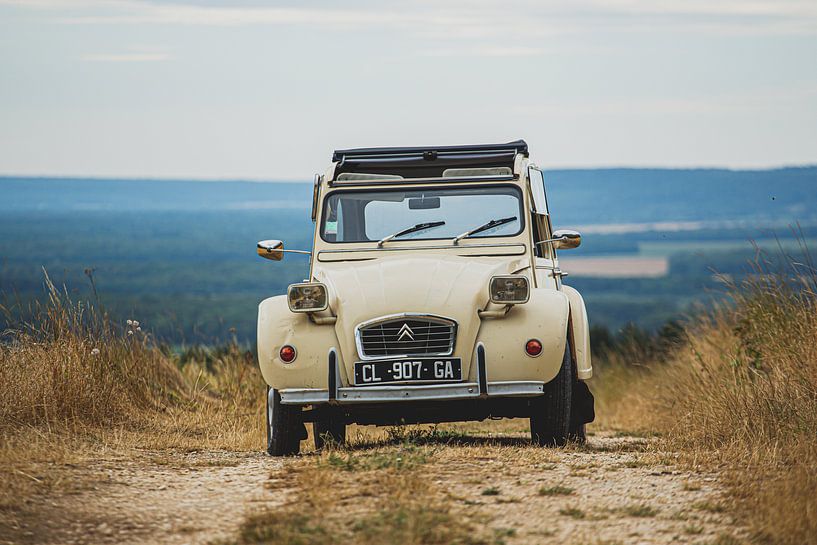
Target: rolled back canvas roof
(430, 161)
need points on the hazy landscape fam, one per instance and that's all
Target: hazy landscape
(180, 255)
(146, 146)
(132, 407)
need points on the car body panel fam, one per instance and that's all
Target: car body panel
(277, 326)
(580, 333)
(445, 285)
(543, 317)
(367, 281)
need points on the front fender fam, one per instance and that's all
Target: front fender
(543, 317)
(277, 326)
(580, 333)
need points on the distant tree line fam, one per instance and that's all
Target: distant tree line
(634, 345)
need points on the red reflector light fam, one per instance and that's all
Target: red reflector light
(287, 353)
(533, 347)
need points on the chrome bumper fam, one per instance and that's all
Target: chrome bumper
(340, 395)
(432, 392)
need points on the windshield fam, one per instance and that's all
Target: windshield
(371, 215)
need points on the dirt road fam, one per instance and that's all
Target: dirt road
(612, 490)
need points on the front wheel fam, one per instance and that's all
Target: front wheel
(284, 425)
(329, 429)
(582, 410)
(550, 414)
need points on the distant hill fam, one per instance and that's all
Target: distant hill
(75, 194)
(180, 255)
(577, 196)
(649, 195)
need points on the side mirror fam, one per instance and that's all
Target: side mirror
(271, 249)
(566, 239)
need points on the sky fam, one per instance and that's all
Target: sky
(266, 90)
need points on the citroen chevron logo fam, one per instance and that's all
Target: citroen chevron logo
(405, 334)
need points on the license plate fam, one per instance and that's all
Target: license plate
(414, 369)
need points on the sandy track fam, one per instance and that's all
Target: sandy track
(608, 491)
(154, 497)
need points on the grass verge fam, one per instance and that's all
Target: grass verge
(375, 499)
(74, 385)
(741, 396)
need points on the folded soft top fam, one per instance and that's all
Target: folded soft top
(427, 160)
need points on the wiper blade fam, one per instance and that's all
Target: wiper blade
(413, 229)
(484, 227)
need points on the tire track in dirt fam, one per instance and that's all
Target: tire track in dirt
(154, 497)
(609, 491)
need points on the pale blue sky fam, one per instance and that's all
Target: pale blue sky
(266, 90)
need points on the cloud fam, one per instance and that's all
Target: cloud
(126, 57)
(459, 19)
(486, 51)
(737, 103)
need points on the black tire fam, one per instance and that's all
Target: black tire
(578, 428)
(328, 429)
(578, 433)
(550, 415)
(284, 423)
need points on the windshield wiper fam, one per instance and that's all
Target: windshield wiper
(484, 227)
(413, 229)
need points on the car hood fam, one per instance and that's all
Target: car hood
(451, 286)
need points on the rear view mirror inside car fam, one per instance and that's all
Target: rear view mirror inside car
(424, 203)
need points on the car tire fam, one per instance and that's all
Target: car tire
(328, 429)
(284, 423)
(578, 428)
(578, 433)
(550, 415)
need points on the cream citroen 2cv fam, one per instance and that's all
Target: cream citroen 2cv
(434, 295)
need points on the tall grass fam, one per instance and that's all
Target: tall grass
(741, 394)
(749, 392)
(72, 382)
(71, 366)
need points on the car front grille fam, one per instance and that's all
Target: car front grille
(406, 335)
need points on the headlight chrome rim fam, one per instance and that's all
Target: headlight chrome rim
(515, 277)
(293, 289)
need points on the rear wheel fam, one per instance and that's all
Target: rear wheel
(550, 415)
(329, 428)
(284, 426)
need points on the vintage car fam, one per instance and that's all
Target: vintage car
(434, 295)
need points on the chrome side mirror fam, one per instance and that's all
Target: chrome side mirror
(566, 239)
(271, 249)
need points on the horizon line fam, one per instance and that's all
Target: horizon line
(308, 180)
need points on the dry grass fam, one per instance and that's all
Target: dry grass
(374, 498)
(622, 394)
(73, 368)
(741, 396)
(72, 385)
(556, 491)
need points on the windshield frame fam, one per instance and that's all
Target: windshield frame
(520, 194)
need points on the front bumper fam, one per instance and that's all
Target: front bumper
(426, 392)
(336, 394)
